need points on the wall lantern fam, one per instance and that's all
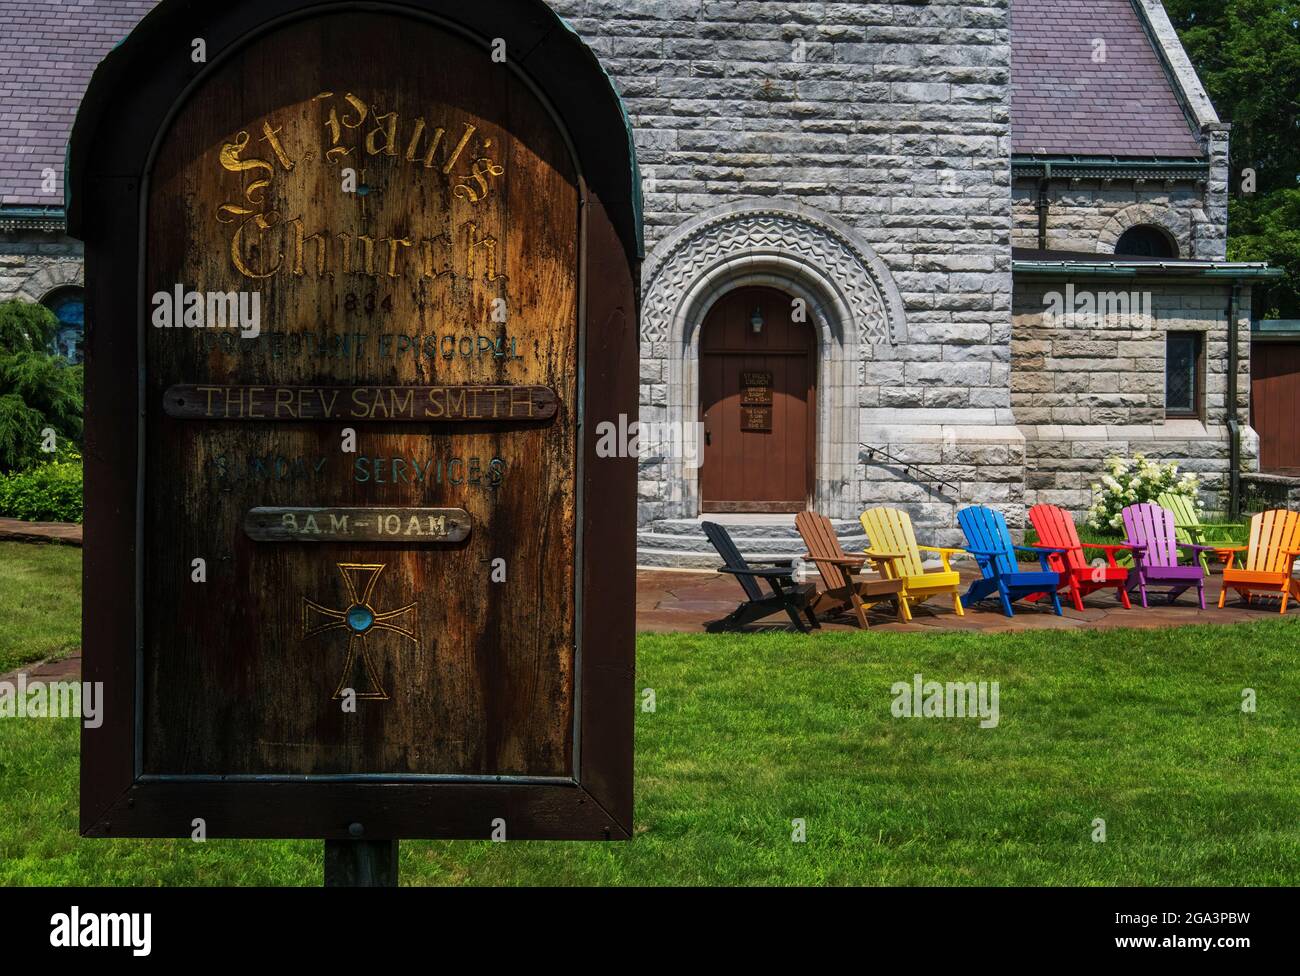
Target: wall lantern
(756, 321)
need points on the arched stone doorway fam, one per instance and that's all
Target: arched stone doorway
(854, 314)
(758, 390)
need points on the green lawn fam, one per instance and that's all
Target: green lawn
(41, 590)
(1141, 728)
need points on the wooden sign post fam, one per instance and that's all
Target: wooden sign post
(360, 290)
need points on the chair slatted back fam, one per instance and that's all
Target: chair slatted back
(1153, 529)
(819, 536)
(1185, 518)
(986, 528)
(1272, 535)
(731, 557)
(890, 530)
(1056, 530)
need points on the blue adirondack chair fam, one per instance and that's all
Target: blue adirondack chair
(990, 543)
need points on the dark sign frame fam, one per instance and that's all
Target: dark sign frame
(125, 114)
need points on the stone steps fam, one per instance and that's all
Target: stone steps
(681, 543)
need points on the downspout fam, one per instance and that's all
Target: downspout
(1234, 428)
(1044, 205)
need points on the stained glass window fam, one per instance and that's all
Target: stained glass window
(1182, 373)
(69, 307)
(1145, 241)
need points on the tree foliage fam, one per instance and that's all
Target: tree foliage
(37, 389)
(1247, 53)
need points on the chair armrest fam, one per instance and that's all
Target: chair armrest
(1111, 548)
(951, 550)
(1223, 532)
(760, 573)
(1199, 548)
(946, 553)
(872, 554)
(1043, 552)
(836, 560)
(985, 552)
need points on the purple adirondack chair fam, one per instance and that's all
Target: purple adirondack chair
(1155, 554)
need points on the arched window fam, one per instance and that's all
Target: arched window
(1146, 241)
(69, 307)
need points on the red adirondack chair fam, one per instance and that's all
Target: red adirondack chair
(1056, 530)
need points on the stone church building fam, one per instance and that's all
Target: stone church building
(921, 254)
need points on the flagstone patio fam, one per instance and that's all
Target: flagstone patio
(682, 602)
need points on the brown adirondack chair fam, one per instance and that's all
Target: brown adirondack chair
(1269, 561)
(847, 590)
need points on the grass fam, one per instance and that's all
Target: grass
(41, 587)
(1143, 729)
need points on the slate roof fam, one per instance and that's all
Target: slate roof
(1062, 103)
(48, 50)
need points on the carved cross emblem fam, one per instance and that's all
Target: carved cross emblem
(361, 621)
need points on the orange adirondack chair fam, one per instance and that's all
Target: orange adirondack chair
(1056, 530)
(1270, 558)
(846, 589)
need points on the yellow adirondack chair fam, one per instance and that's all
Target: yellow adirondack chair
(889, 531)
(1270, 556)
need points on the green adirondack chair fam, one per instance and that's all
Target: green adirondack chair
(1189, 528)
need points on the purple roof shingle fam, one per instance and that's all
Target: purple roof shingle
(1063, 102)
(48, 51)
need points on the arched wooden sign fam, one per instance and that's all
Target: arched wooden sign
(361, 290)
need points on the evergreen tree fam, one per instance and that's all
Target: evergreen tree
(37, 389)
(1247, 53)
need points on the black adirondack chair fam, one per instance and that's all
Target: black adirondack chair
(786, 594)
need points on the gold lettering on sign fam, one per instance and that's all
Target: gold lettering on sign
(334, 125)
(272, 137)
(483, 168)
(489, 245)
(262, 222)
(300, 239)
(354, 131)
(230, 160)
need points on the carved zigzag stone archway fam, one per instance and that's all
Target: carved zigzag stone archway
(852, 303)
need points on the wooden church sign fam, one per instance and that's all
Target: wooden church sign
(360, 291)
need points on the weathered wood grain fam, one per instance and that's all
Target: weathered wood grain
(231, 686)
(116, 187)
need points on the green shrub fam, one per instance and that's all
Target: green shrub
(1130, 482)
(38, 391)
(46, 493)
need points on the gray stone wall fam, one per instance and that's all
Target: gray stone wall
(892, 118)
(1090, 215)
(881, 113)
(34, 263)
(1082, 396)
